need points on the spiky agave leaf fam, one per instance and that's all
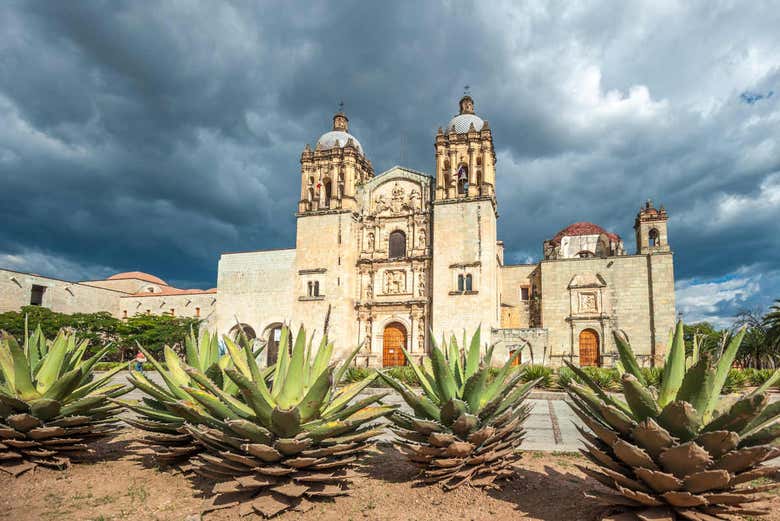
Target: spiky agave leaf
(465, 429)
(164, 436)
(51, 405)
(285, 443)
(684, 452)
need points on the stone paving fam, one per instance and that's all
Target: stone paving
(549, 427)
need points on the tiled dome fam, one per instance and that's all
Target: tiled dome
(329, 139)
(462, 122)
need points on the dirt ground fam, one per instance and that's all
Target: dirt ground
(115, 485)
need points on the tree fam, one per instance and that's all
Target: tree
(771, 323)
(707, 336)
(754, 350)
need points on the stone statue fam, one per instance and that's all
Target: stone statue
(370, 287)
(414, 199)
(381, 204)
(370, 242)
(421, 242)
(421, 286)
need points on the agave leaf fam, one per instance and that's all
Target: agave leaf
(741, 414)
(582, 375)
(452, 410)
(212, 404)
(7, 365)
(150, 412)
(172, 386)
(64, 386)
(472, 358)
(639, 398)
(285, 422)
(342, 368)
(85, 404)
(343, 397)
(191, 349)
(175, 371)
(237, 406)
(422, 406)
(493, 388)
(95, 384)
(429, 389)
(723, 367)
(259, 401)
(772, 380)
(627, 357)
(698, 385)
(322, 357)
(356, 406)
(518, 394)
(90, 363)
(674, 369)
(23, 384)
(237, 357)
(680, 419)
(292, 389)
(52, 364)
(152, 389)
(695, 351)
(453, 358)
(310, 406)
(474, 388)
(250, 430)
(45, 408)
(282, 361)
(445, 380)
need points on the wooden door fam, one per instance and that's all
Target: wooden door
(589, 348)
(394, 339)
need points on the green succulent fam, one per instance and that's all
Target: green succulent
(679, 451)
(286, 443)
(465, 427)
(51, 404)
(165, 437)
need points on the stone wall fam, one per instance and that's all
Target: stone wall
(192, 305)
(59, 295)
(464, 243)
(633, 292)
(255, 288)
(515, 310)
(532, 342)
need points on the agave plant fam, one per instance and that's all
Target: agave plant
(680, 451)
(465, 428)
(284, 444)
(50, 403)
(170, 444)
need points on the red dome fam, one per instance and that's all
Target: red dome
(138, 275)
(583, 228)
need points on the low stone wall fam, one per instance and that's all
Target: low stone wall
(532, 341)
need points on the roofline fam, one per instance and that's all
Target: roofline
(161, 295)
(78, 283)
(399, 167)
(255, 251)
(519, 265)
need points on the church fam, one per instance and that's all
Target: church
(393, 258)
(398, 256)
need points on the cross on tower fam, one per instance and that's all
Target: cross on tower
(466, 90)
(341, 106)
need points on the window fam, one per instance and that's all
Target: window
(173, 312)
(197, 312)
(36, 295)
(460, 282)
(124, 314)
(584, 254)
(327, 187)
(655, 240)
(313, 288)
(469, 286)
(397, 244)
(524, 293)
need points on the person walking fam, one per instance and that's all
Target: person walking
(140, 360)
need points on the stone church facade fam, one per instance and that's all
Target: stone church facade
(394, 258)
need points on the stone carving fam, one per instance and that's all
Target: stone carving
(370, 286)
(414, 199)
(381, 204)
(370, 242)
(395, 282)
(421, 335)
(421, 286)
(588, 303)
(421, 240)
(398, 202)
(368, 336)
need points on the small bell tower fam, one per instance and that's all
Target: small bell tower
(331, 172)
(650, 228)
(465, 158)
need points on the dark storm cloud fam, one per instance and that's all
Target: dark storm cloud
(153, 136)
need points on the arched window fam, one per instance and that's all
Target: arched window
(310, 194)
(469, 285)
(316, 288)
(655, 239)
(584, 254)
(327, 187)
(460, 283)
(463, 179)
(397, 244)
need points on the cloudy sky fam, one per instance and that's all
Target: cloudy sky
(154, 135)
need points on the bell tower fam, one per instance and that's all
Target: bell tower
(465, 158)
(331, 172)
(466, 252)
(650, 228)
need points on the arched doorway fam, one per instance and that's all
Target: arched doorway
(394, 340)
(245, 328)
(273, 336)
(589, 348)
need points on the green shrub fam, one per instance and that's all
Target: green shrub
(653, 375)
(356, 374)
(606, 378)
(565, 377)
(736, 380)
(532, 372)
(403, 373)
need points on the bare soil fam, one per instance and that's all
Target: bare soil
(115, 484)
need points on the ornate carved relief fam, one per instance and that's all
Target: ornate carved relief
(395, 282)
(398, 202)
(588, 303)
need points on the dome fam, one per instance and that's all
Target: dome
(583, 228)
(138, 275)
(329, 139)
(462, 122)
